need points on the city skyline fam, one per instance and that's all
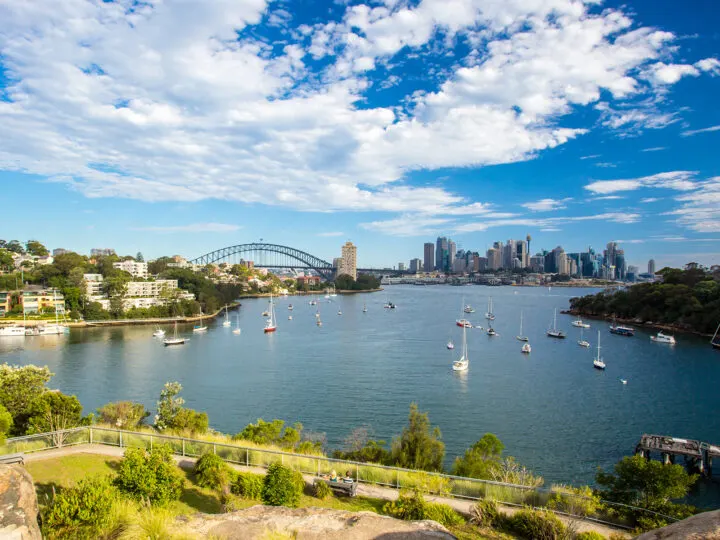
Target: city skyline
(182, 128)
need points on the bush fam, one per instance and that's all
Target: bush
(536, 524)
(123, 414)
(6, 422)
(230, 502)
(87, 504)
(212, 472)
(150, 475)
(589, 535)
(282, 486)
(485, 512)
(409, 506)
(443, 514)
(248, 485)
(322, 491)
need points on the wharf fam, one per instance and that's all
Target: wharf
(699, 454)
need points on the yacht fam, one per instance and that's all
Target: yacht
(12, 331)
(579, 324)
(159, 332)
(663, 338)
(554, 332)
(463, 323)
(175, 340)
(270, 324)
(621, 330)
(450, 345)
(526, 348)
(582, 341)
(490, 316)
(463, 362)
(364, 308)
(290, 307)
(389, 305)
(491, 332)
(520, 336)
(598, 361)
(468, 309)
(48, 329)
(226, 322)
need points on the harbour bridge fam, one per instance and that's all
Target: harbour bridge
(265, 255)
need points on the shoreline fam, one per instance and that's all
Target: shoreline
(306, 293)
(636, 323)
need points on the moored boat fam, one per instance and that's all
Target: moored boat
(463, 362)
(663, 338)
(526, 348)
(464, 323)
(598, 361)
(270, 324)
(175, 340)
(554, 332)
(12, 331)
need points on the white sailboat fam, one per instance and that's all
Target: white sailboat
(226, 322)
(364, 308)
(237, 329)
(200, 328)
(554, 332)
(49, 329)
(12, 331)
(270, 324)
(526, 348)
(175, 340)
(520, 337)
(598, 361)
(490, 316)
(463, 362)
(581, 341)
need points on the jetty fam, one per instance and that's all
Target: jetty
(697, 454)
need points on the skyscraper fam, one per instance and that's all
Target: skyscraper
(416, 265)
(651, 266)
(429, 257)
(441, 253)
(452, 250)
(349, 260)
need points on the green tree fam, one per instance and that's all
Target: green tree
(282, 486)
(169, 405)
(6, 261)
(358, 446)
(420, 445)
(6, 422)
(644, 482)
(54, 411)
(123, 414)
(15, 247)
(344, 282)
(35, 248)
(67, 261)
(20, 387)
(151, 476)
(482, 459)
(139, 257)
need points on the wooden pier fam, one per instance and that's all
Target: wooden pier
(697, 454)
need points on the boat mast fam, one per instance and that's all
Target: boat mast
(521, 318)
(712, 341)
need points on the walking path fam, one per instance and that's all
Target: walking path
(365, 490)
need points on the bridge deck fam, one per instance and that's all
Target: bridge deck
(670, 445)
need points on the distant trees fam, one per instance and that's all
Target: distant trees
(364, 282)
(6, 261)
(35, 248)
(482, 460)
(419, 446)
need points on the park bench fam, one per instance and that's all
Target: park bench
(8, 459)
(346, 487)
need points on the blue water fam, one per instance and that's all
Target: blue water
(553, 411)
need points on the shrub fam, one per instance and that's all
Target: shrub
(248, 485)
(443, 514)
(485, 512)
(87, 504)
(150, 475)
(536, 524)
(409, 506)
(123, 414)
(578, 501)
(212, 472)
(230, 502)
(322, 491)
(589, 535)
(282, 486)
(6, 422)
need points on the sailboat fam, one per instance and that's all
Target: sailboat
(526, 348)
(159, 332)
(270, 324)
(450, 344)
(715, 341)
(520, 336)
(237, 330)
(49, 329)
(581, 341)
(226, 322)
(490, 316)
(200, 328)
(175, 340)
(462, 363)
(554, 332)
(364, 308)
(598, 361)
(332, 292)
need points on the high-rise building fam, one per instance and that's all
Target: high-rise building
(494, 257)
(537, 263)
(429, 257)
(521, 253)
(480, 264)
(620, 264)
(651, 266)
(59, 251)
(508, 254)
(337, 264)
(416, 265)
(401, 266)
(101, 252)
(452, 250)
(349, 260)
(441, 254)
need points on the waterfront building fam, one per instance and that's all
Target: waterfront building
(349, 260)
(337, 265)
(102, 252)
(416, 265)
(132, 267)
(37, 301)
(307, 280)
(429, 257)
(5, 302)
(651, 266)
(93, 284)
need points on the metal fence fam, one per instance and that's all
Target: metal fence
(438, 484)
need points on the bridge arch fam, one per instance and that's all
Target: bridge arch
(322, 267)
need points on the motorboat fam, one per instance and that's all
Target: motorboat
(289, 317)
(491, 332)
(663, 338)
(339, 312)
(624, 381)
(468, 309)
(598, 361)
(579, 324)
(526, 348)
(450, 345)
(464, 323)
(621, 330)
(159, 332)
(554, 332)
(464, 361)
(389, 305)
(290, 307)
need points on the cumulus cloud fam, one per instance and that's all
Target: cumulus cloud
(192, 228)
(183, 101)
(700, 210)
(678, 180)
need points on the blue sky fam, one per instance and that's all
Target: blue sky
(182, 127)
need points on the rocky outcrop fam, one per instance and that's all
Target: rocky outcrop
(705, 526)
(18, 504)
(311, 524)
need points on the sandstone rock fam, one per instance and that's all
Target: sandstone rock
(312, 524)
(705, 526)
(18, 504)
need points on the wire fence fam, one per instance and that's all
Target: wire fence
(438, 484)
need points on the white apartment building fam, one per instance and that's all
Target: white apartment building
(134, 268)
(150, 288)
(93, 284)
(348, 265)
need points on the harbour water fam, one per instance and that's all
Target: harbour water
(554, 412)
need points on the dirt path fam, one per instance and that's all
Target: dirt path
(366, 490)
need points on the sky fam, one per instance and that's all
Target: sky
(180, 126)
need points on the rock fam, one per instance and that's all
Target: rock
(18, 504)
(311, 524)
(705, 526)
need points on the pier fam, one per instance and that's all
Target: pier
(697, 454)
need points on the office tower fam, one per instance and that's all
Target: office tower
(620, 264)
(416, 265)
(452, 251)
(494, 257)
(651, 266)
(401, 266)
(441, 253)
(429, 257)
(508, 254)
(537, 263)
(349, 260)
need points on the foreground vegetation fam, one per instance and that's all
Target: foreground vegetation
(687, 299)
(27, 406)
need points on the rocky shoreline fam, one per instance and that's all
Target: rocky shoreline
(638, 322)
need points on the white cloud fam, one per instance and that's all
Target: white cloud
(408, 225)
(678, 180)
(192, 228)
(703, 130)
(606, 165)
(332, 233)
(544, 223)
(593, 156)
(700, 209)
(607, 198)
(654, 149)
(550, 229)
(648, 200)
(163, 101)
(638, 241)
(546, 205)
